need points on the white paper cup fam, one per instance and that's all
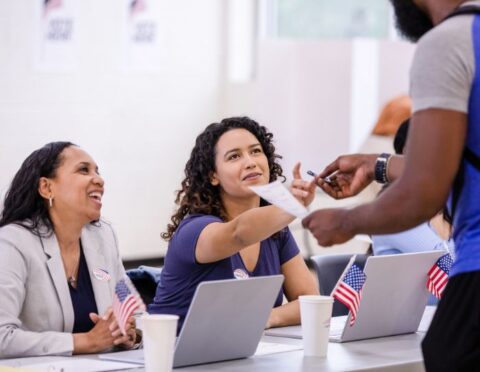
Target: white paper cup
(316, 312)
(159, 333)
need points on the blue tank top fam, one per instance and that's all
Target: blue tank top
(466, 223)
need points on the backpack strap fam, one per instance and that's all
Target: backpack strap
(472, 158)
(464, 10)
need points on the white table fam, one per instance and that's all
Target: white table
(398, 353)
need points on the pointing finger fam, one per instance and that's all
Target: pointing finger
(296, 171)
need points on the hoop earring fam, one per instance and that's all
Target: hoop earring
(50, 202)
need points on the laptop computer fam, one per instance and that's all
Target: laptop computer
(225, 321)
(393, 301)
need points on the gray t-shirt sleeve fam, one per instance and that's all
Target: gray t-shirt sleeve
(443, 67)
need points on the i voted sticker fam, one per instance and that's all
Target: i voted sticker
(240, 274)
(102, 274)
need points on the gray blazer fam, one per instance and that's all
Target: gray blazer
(36, 311)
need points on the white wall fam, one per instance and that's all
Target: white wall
(321, 98)
(395, 59)
(139, 128)
(304, 97)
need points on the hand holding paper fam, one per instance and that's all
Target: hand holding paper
(275, 193)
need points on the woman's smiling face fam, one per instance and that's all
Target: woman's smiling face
(77, 187)
(240, 162)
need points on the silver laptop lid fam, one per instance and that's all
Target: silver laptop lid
(226, 319)
(394, 295)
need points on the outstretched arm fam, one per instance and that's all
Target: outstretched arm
(220, 240)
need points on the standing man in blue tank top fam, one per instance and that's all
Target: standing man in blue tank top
(442, 159)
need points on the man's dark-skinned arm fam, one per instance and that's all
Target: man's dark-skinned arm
(434, 150)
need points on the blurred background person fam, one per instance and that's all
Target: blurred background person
(393, 114)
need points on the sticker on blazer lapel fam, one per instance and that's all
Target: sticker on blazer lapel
(102, 274)
(240, 274)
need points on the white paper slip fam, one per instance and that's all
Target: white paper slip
(275, 193)
(265, 348)
(78, 365)
(288, 332)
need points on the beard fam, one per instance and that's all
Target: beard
(411, 21)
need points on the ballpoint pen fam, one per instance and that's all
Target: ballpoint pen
(326, 179)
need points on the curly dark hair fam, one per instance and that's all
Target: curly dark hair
(22, 201)
(197, 194)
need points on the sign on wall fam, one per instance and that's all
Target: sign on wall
(56, 34)
(140, 36)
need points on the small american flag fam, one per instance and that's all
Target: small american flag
(125, 303)
(348, 292)
(437, 276)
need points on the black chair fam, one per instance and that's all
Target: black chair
(329, 268)
(145, 279)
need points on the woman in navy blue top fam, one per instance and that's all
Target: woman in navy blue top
(223, 230)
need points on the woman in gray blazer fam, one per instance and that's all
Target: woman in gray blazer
(58, 261)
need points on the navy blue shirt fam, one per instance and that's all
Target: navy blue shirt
(83, 298)
(182, 273)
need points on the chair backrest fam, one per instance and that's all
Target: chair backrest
(329, 268)
(145, 279)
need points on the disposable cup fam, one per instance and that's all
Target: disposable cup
(159, 332)
(316, 313)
